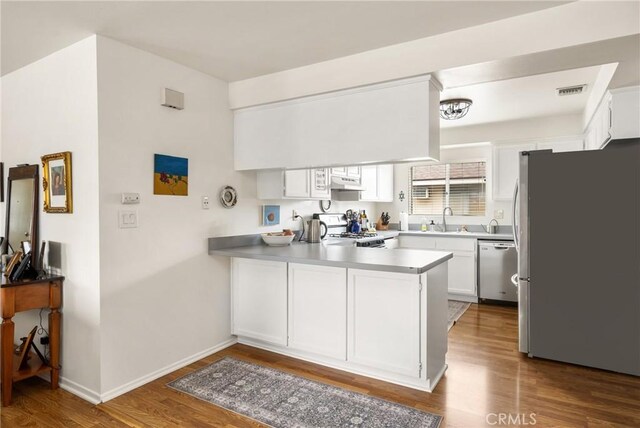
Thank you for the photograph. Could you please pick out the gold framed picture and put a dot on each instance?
(56, 183)
(15, 259)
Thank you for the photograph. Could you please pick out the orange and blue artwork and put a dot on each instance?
(171, 175)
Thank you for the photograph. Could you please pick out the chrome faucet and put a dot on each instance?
(444, 222)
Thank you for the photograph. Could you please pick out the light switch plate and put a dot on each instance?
(130, 198)
(127, 219)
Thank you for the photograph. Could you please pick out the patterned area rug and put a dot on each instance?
(456, 309)
(283, 400)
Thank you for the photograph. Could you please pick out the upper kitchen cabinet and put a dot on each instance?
(598, 132)
(625, 113)
(568, 145)
(385, 122)
(378, 182)
(615, 118)
(505, 169)
(506, 165)
(295, 184)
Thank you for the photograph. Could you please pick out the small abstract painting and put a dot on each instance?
(170, 175)
(270, 215)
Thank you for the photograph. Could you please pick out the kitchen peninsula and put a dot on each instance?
(377, 312)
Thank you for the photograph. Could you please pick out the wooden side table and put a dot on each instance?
(22, 296)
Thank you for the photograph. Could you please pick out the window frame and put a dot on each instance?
(487, 166)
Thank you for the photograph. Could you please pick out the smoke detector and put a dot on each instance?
(571, 90)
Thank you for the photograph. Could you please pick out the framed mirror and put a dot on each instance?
(22, 209)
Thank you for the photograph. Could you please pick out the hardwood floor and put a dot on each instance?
(486, 376)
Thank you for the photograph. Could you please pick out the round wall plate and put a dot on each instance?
(228, 197)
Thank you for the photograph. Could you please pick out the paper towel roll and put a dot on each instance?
(404, 221)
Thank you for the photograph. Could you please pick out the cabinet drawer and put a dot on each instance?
(417, 242)
(456, 244)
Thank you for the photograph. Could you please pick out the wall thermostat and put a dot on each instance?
(130, 198)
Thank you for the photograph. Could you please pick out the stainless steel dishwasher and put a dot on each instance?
(497, 260)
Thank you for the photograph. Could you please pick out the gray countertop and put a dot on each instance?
(379, 259)
(476, 235)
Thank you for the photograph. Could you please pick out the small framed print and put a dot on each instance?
(56, 183)
(270, 215)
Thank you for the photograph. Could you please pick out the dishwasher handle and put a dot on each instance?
(498, 245)
(514, 279)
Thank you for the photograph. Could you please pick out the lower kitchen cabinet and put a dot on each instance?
(259, 296)
(317, 315)
(384, 321)
(462, 267)
(462, 273)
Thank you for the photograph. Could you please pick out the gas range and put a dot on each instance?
(351, 235)
(337, 233)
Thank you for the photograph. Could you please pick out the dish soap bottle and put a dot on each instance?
(424, 224)
(432, 226)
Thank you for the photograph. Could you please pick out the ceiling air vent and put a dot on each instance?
(571, 90)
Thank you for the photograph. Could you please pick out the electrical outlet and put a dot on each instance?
(294, 214)
(205, 202)
(44, 340)
(498, 214)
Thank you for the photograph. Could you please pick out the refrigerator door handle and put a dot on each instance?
(516, 241)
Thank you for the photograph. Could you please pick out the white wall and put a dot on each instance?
(514, 130)
(163, 299)
(51, 106)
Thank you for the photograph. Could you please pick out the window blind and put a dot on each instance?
(461, 186)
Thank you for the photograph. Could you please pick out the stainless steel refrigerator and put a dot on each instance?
(576, 226)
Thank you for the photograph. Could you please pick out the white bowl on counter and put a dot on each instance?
(277, 240)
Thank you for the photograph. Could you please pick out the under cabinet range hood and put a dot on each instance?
(346, 183)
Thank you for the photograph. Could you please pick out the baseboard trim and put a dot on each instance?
(420, 384)
(110, 395)
(433, 382)
(79, 390)
(463, 298)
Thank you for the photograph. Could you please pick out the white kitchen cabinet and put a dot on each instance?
(297, 184)
(462, 273)
(462, 267)
(259, 300)
(570, 145)
(420, 242)
(378, 182)
(340, 171)
(615, 118)
(353, 171)
(346, 127)
(294, 184)
(384, 321)
(598, 131)
(317, 310)
(505, 169)
(320, 183)
(625, 111)
(390, 326)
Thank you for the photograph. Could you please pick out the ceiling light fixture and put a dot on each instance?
(455, 108)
